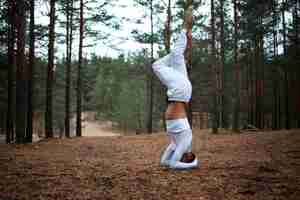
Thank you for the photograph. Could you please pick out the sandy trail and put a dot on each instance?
(97, 129)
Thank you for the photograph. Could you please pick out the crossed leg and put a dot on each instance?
(180, 143)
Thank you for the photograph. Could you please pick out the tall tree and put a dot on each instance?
(167, 30)
(188, 21)
(21, 89)
(276, 90)
(29, 130)
(79, 86)
(295, 53)
(213, 66)
(11, 63)
(286, 78)
(236, 98)
(221, 67)
(69, 39)
(167, 41)
(151, 85)
(50, 73)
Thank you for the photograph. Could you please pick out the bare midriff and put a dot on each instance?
(176, 110)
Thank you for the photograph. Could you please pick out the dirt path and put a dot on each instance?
(260, 166)
(98, 129)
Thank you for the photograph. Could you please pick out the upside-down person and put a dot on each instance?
(171, 71)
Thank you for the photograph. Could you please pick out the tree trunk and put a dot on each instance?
(69, 39)
(296, 25)
(279, 102)
(287, 111)
(167, 31)
(252, 85)
(221, 70)
(167, 40)
(275, 81)
(21, 83)
(29, 131)
(67, 94)
(11, 66)
(189, 54)
(50, 73)
(213, 44)
(150, 114)
(257, 82)
(283, 9)
(296, 56)
(262, 80)
(248, 88)
(79, 87)
(236, 112)
(287, 123)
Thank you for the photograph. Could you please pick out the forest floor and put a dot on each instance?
(260, 165)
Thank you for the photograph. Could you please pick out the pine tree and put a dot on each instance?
(286, 76)
(69, 39)
(221, 67)
(31, 64)
(21, 83)
(188, 21)
(50, 74)
(151, 85)
(276, 93)
(213, 66)
(167, 42)
(11, 63)
(79, 86)
(236, 112)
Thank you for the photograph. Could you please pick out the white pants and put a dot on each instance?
(181, 142)
(171, 71)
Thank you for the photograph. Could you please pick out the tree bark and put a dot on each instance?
(287, 115)
(11, 67)
(21, 83)
(287, 111)
(29, 130)
(236, 97)
(189, 52)
(213, 56)
(79, 85)
(283, 9)
(69, 39)
(262, 80)
(167, 40)
(221, 70)
(275, 81)
(167, 31)
(252, 86)
(298, 54)
(150, 114)
(50, 73)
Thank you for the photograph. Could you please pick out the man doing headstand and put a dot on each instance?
(171, 71)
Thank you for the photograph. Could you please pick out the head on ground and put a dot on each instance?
(188, 157)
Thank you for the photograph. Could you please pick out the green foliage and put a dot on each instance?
(120, 93)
